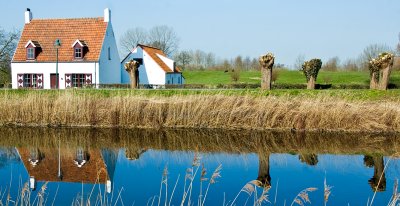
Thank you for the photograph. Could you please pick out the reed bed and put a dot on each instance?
(320, 112)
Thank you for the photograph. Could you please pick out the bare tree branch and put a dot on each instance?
(131, 38)
(164, 38)
(161, 37)
(8, 43)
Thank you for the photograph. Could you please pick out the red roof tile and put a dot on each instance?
(45, 31)
(47, 169)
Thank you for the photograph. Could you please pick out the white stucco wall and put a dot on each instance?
(50, 68)
(155, 74)
(169, 62)
(109, 69)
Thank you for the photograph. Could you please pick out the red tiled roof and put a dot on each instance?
(152, 51)
(47, 169)
(46, 31)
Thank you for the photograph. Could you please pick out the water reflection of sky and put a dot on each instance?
(138, 181)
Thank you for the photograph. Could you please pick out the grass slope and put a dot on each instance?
(285, 76)
(345, 94)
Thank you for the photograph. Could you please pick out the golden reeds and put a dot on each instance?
(200, 111)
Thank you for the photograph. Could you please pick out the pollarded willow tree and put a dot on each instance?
(132, 68)
(380, 69)
(310, 70)
(266, 62)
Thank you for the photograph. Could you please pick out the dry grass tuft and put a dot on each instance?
(327, 192)
(302, 198)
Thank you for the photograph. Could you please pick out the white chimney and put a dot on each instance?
(32, 183)
(107, 15)
(28, 16)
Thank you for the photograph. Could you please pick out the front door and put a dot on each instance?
(53, 81)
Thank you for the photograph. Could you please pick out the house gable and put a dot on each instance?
(109, 59)
(155, 69)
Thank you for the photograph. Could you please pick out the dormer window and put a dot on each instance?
(30, 53)
(78, 53)
(32, 49)
(80, 48)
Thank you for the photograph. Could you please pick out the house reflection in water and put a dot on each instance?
(35, 156)
(79, 164)
(378, 181)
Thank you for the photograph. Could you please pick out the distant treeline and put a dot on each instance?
(201, 60)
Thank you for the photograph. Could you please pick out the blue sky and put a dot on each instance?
(314, 28)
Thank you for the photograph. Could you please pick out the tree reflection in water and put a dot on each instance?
(378, 180)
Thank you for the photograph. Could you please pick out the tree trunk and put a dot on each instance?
(374, 81)
(266, 78)
(132, 74)
(385, 78)
(311, 83)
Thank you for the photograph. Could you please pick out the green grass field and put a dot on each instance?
(347, 94)
(284, 76)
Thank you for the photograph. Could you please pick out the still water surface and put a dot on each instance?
(129, 167)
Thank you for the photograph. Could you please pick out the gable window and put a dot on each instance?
(109, 53)
(30, 53)
(78, 53)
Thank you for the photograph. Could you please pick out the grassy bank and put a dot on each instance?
(284, 77)
(343, 110)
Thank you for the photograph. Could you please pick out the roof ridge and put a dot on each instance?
(149, 46)
(77, 18)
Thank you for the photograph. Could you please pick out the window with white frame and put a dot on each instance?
(78, 53)
(78, 80)
(30, 53)
(33, 80)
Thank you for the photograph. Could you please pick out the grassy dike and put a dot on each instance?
(335, 110)
(210, 77)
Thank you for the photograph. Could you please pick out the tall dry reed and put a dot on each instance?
(200, 111)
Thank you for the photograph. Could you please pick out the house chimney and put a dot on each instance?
(107, 15)
(28, 16)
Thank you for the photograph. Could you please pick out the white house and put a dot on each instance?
(155, 67)
(88, 53)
